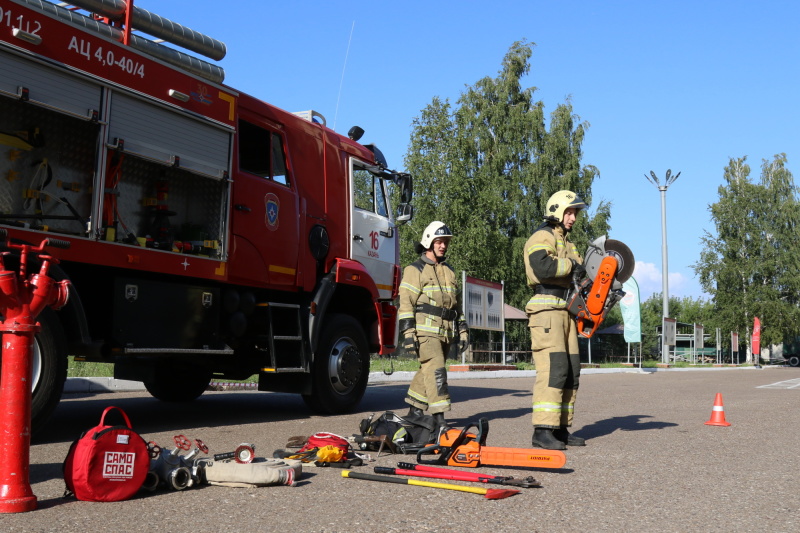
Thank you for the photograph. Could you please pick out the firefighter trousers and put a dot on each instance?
(554, 341)
(428, 389)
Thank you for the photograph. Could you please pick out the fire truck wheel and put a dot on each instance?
(177, 383)
(794, 360)
(341, 368)
(49, 369)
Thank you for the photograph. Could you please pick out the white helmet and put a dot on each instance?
(561, 201)
(435, 230)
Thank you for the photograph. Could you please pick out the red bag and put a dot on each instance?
(322, 439)
(107, 463)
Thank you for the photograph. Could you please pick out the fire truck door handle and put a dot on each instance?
(358, 238)
(242, 207)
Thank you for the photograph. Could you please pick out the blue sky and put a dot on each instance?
(681, 85)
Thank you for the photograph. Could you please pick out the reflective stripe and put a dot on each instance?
(563, 267)
(546, 300)
(441, 332)
(547, 407)
(539, 246)
(553, 407)
(432, 289)
(401, 316)
(441, 403)
(407, 286)
(418, 397)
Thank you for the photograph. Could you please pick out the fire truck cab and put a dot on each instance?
(211, 235)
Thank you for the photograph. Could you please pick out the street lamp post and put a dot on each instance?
(668, 180)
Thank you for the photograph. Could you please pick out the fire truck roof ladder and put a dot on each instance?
(157, 26)
(160, 27)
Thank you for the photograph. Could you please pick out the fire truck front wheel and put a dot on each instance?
(49, 369)
(173, 382)
(341, 367)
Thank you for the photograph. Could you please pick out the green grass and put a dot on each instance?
(78, 369)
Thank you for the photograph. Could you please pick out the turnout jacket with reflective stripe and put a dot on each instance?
(428, 282)
(547, 254)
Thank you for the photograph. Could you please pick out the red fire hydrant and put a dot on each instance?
(21, 301)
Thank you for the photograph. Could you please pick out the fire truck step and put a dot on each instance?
(288, 349)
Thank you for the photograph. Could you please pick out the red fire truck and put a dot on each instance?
(212, 235)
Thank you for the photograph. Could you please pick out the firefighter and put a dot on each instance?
(429, 321)
(551, 260)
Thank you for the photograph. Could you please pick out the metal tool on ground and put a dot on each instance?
(171, 469)
(489, 494)
(364, 442)
(609, 264)
(410, 469)
(243, 454)
(469, 449)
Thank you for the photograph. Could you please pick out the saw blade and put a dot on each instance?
(625, 261)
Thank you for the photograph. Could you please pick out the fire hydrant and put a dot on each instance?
(21, 301)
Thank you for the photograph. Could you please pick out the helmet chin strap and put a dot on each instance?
(433, 253)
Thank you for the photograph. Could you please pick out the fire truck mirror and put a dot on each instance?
(405, 183)
(405, 212)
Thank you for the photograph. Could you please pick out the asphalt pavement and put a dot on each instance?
(650, 464)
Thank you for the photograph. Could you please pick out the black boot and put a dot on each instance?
(568, 438)
(415, 411)
(441, 423)
(544, 438)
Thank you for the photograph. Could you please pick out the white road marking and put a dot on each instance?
(790, 384)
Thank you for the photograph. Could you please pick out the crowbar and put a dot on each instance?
(489, 494)
(410, 469)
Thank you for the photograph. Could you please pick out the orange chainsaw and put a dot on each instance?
(463, 448)
(608, 265)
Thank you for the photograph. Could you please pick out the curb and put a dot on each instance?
(102, 385)
(98, 385)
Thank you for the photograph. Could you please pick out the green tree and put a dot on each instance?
(486, 167)
(750, 265)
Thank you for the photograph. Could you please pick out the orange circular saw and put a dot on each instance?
(609, 264)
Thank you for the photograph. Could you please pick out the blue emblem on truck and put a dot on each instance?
(273, 207)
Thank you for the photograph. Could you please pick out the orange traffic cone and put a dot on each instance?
(718, 413)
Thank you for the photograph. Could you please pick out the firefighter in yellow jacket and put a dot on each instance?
(430, 320)
(551, 260)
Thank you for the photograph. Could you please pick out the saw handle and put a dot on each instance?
(441, 453)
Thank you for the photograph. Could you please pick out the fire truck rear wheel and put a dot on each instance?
(341, 369)
(49, 369)
(178, 382)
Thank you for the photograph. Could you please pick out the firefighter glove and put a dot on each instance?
(410, 342)
(578, 270)
(463, 341)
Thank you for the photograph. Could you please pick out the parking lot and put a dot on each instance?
(650, 464)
